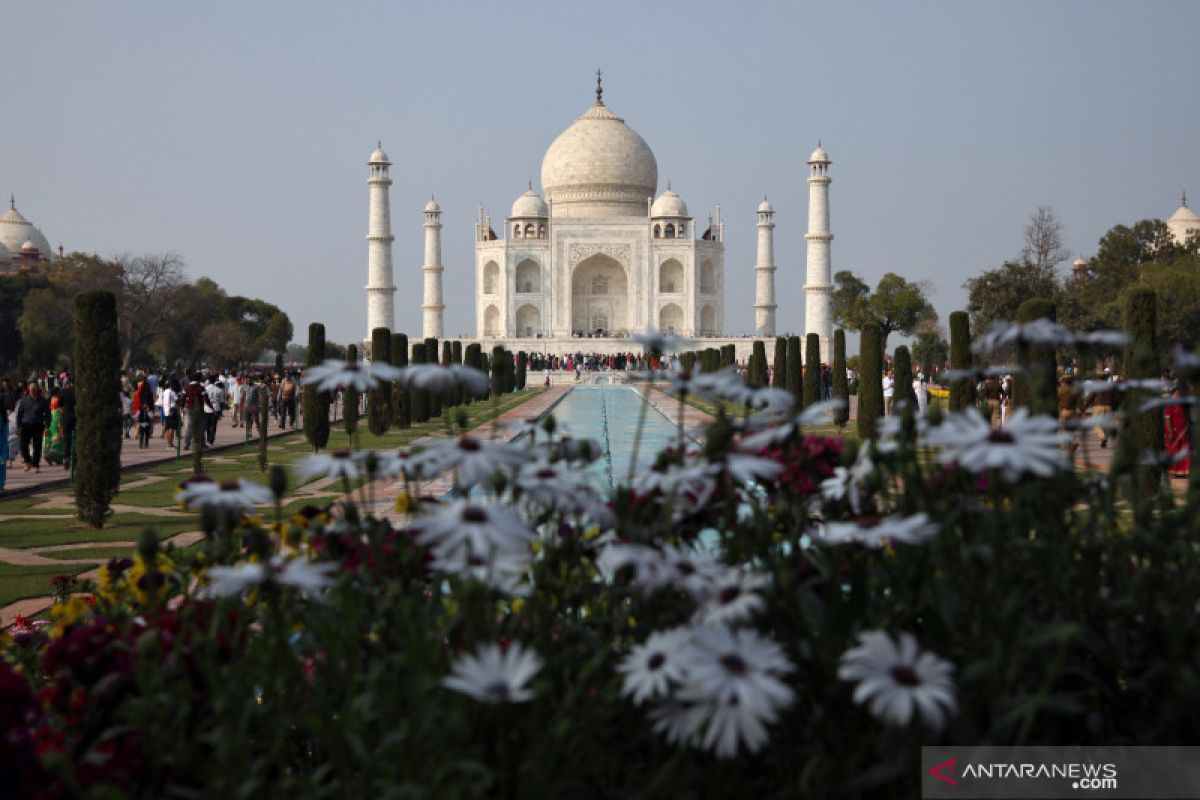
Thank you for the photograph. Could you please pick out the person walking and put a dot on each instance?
(287, 402)
(1068, 410)
(1176, 435)
(5, 409)
(33, 414)
(214, 408)
(1098, 403)
(192, 398)
(52, 444)
(169, 403)
(66, 402)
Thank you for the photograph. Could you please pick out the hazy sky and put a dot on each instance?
(236, 134)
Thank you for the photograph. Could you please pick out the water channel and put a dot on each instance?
(609, 415)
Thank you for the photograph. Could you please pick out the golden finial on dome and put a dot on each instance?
(599, 89)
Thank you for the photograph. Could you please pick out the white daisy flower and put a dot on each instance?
(442, 379)
(656, 342)
(771, 402)
(335, 464)
(333, 373)
(482, 529)
(652, 668)
(747, 468)
(1040, 333)
(555, 484)
(875, 531)
(493, 675)
(649, 569)
(308, 578)
(1186, 362)
(504, 570)
(849, 484)
(474, 460)
(736, 672)
(201, 491)
(691, 570)
(398, 464)
(1026, 444)
(733, 596)
(1101, 338)
(1159, 403)
(896, 680)
(578, 449)
(816, 414)
(724, 384)
(680, 723)
(973, 374)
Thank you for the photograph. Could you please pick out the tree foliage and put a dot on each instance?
(795, 369)
(316, 404)
(870, 381)
(812, 369)
(841, 391)
(98, 408)
(401, 396)
(962, 393)
(779, 363)
(379, 397)
(350, 398)
(896, 306)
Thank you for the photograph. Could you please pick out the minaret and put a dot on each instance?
(381, 308)
(433, 305)
(764, 272)
(819, 288)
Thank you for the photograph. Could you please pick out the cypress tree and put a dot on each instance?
(779, 363)
(1035, 388)
(522, 368)
(350, 396)
(758, 363)
(497, 370)
(379, 397)
(841, 390)
(688, 361)
(401, 397)
(97, 410)
(316, 404)
(961, 392)
(795, 370)
(420, 397)
(1141, 431)
(903, 374)
(279, 363)
(812, 372)
(456, 357)
(447, 359)
(471, 358)
(432, 357)
(870, 381)
(728, 355)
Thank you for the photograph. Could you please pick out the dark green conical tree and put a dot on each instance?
(779, 363)
(419, 398)
(728, 355)
(758, 363)
(1141, 431)
(795, 370)
(688, 361)
(401, 397)
(962, 393)
(447, 359)
(350, 396)
(97, 412)
(841, 390)
(709, 360)
(279, 363)
(1035, 388)
(316, 404)
(902, 373)
(497, 370)
(472, 357)
(812, 372)
(379, 397)
(522, 368)
(432, 357)
(870, 381)
(456, 357)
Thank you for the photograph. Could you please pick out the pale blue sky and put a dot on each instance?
(236, 134)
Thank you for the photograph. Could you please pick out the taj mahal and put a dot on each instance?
(600, 254)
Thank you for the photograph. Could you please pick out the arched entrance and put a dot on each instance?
(599, 296)
(708, 321)
(529, 320)
(491, 322)
(670, 319)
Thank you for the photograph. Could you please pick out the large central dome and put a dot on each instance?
(599, 167)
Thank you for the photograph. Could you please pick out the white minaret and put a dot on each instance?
(819, 288)
(764, 272)
(433, 305)
(381, 308)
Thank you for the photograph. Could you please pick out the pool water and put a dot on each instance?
(609, 415)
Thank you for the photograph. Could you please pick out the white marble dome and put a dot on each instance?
(765, 207)
(819, 156)
(15, 231)
(669, 204)
(530, 204)
(432, 207)
(1183, 223)
(378, 156)
(5, 256)
(599, 167)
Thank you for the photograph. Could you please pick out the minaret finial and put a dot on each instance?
(12, 202)
(531, 185)
(1185, 199)
(379, 143)
(599, 88)
(668, 184)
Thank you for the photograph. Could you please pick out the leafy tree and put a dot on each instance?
(870, 381)
(148, 284)
(1035, 387)
(98, 412)
(379, 397)
(226, 343)
(812, 371)
(840, 390)
(931, 350)
(996, 294)
(1175, 280)
(316, 404)
(896, 305)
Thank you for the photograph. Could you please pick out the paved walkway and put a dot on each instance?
(131, 456)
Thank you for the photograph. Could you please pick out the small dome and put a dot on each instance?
(668, 204)
(1078, 264)
(819, 156)
(765, 208)
(378, 156)
(29, 248)
(432, 207)
(530, 204)
(15, 231)
(1183, 223)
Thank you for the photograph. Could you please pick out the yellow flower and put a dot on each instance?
(67, 614)
(591, 532)
(632, 622)
(135, 574)
(518, 605)
(404, 503)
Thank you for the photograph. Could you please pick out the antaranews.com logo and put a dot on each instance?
(1053, 772)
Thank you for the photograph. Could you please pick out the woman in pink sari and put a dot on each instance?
(1175, 430)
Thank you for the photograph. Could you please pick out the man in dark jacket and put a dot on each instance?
(66, 402)
(33, 413)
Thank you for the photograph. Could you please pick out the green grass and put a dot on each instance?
(99, 554)
(25, 533)
(19, 583)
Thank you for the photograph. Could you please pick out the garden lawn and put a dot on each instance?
(18, 582)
